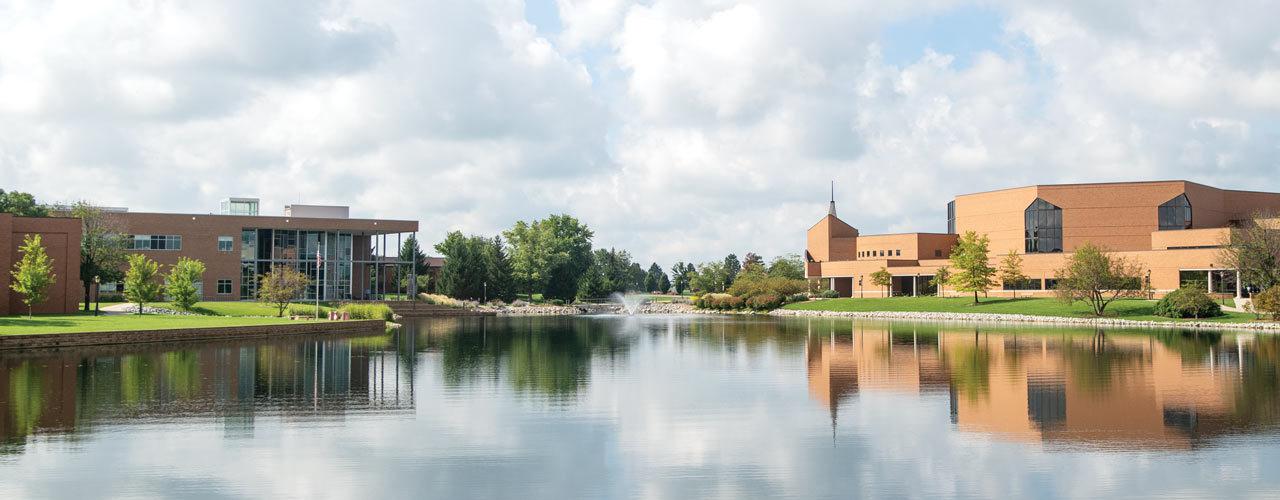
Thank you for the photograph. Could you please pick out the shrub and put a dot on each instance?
(750, 285)
(368, 311)
(732, 303)
(719, 301)
(1268, 302)
(1188, 302)
(439, 300)
(798, 297)
(829, 294)
(303, 310)
(557, 302)
(764, 302)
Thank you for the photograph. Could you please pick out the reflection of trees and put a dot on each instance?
(1258, 397)
(26, 398)
(552, 356)
(1095, 367)
(970, 369)
(1192, 345)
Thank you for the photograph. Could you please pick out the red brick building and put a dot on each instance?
(61, 239)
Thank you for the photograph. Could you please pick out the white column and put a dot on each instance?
(1239, 286)
(1210, 275)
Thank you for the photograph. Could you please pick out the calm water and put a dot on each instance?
(652, 408)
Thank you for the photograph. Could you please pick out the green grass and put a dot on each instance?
(1141, 310)
(71, 323)
(239, 309)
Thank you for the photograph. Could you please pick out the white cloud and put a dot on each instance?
(677, 129)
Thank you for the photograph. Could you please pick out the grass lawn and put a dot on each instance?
(240, 308)
(70, 323)
(1141, 310)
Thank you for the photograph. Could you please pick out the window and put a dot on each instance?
(248, 244)
(1043, 227)
(1175, 214)
(224, 287)
(225, 243)
(951, 217)
(1050, 283)
(155, 242)
(897, 253)
(937, 253)
(1027, 284)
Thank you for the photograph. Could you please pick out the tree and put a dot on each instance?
(410, 251)
(681, 276)
(1254, 249)
(653, 279)
(33, 274)
(710, 277)
(21, 204)
(281, 285)
(731, 269)
(752, 259)
(550, 255)
(883, 278)
(497, 270)
(1094, 276)
(787, 266)
(180, 284)
(974, 272)
(664, 284)
(940, 278)
(103, 248)
(140, 284)
(1011, 272)
(475, 268)
(635, 278)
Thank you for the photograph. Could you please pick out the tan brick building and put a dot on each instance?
(1174, 229)
(238, 245)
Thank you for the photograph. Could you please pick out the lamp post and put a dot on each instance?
(97, 292)
(486, 292)
(1151, 294)
(860, 286)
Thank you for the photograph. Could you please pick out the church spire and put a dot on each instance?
(831, 210)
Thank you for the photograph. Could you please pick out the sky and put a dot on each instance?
(676, 129)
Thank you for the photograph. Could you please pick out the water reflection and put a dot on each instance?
(1066, 387)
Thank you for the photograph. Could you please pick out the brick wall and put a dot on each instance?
(57, 340)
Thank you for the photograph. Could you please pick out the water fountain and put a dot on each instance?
(630, 303)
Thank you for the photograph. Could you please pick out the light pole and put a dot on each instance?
(486, 292)
(97, 292)
(860, 296)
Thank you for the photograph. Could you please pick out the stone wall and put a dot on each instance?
(56, 340)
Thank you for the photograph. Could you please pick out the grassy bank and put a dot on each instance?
(74, 323)
(1140, 310)
(239, 309)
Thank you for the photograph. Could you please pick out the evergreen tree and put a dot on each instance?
(731, 268)
(664, 284)
(33, 273)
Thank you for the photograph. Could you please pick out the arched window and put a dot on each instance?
(1043, 227)
(1175, 214)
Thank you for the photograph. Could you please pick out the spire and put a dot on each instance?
(831, 210)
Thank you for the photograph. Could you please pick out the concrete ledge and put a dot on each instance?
(998, 318)
(57, 340)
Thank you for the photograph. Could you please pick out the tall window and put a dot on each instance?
(951, 217)
(1043, 227)
(1175, 214)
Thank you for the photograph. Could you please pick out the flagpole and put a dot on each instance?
(318, 280)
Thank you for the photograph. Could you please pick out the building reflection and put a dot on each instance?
(74, 391)
(1173, 390)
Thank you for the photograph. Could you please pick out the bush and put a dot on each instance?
(829, 294)
(764, 302)
(1188, 302)
(439, 300)
(368, 311)
(557, 302)
(798, 297)
(1268, 302)
(750, 285)
(719, 301)
(303, 310)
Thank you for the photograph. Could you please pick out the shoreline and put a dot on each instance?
(82, 339)
(1261, 326)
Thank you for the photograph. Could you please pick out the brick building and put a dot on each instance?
(61, 239)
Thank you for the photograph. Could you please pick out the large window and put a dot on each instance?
(1175, 214)
(224, 287)
(1043, 223)
(951, 217)
(225, 243)
(155, 242)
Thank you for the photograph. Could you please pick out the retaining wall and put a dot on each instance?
(56, 340)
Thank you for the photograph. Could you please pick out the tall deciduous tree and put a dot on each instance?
(1011, 272)
(550, 255)
(103, 248)
(140, 284)
(710, 277)
(33, 273)
(973, 269)
(940, 278)
(787, 266)
(21, 204)
(281, 286)
(181, 282)
(1098, 278)
(1254, 249)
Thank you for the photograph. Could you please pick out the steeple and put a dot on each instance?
(831, 210)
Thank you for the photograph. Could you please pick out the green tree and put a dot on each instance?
(475, 268)
(682, 276)
(710, 277)
(181, 282)
(551, 255)
(653, 278)
(752, 259)
(411, 252)
(884, 279)
(140, 285)
(497, 270)
(1097, 278)
(635, 278)
(787, 266)
(21, 204)
(664, 283)
(731, 269)
(973, 269)
(280, 286)
(940, 278)
(1011, 272)
(103, 248)
(1254, 249)
(33, 273)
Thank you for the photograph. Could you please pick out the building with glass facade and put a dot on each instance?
(1174, 229)
(345, 258)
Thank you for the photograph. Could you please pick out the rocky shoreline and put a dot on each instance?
(1029, 319)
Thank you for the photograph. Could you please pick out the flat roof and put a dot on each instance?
(398, 225)
(1115, 183)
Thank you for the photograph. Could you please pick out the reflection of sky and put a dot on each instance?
(678, 418)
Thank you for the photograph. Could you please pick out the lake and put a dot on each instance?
(651, 407)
